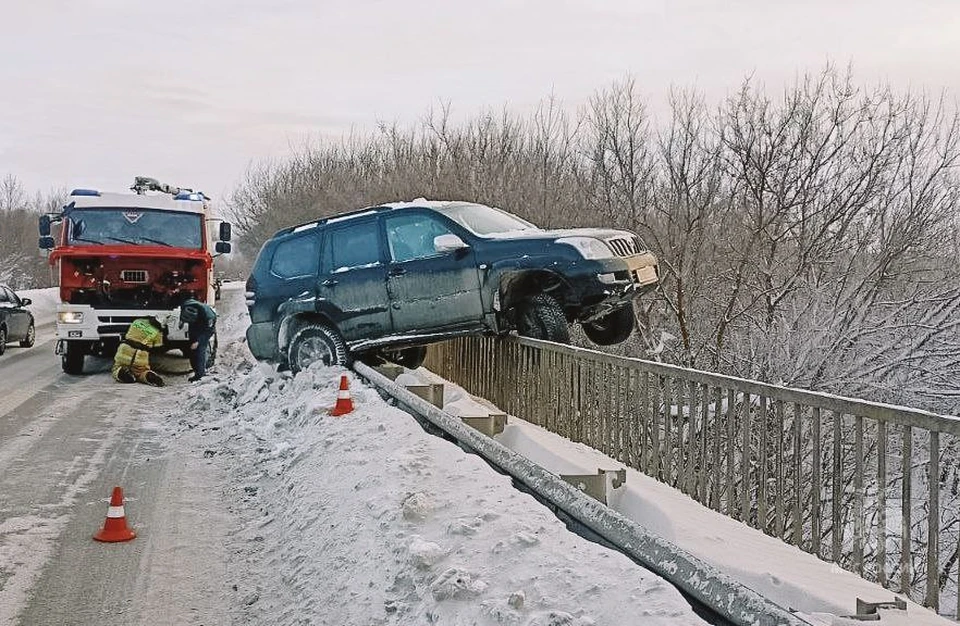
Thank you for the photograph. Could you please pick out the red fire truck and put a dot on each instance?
(122, 256)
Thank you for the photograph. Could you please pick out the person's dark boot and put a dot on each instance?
(154, 379)
(125, 376)
(194, 378)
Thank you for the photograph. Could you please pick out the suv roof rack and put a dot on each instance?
(379, 208)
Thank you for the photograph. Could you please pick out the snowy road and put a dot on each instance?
(64, 443)
(253, 506)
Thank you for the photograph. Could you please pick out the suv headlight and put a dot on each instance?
(70, 317)
(588, 247)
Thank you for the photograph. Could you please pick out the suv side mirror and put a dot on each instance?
(222, 247)
(448, 243)
(43, 225)
(225, 232)
(46, 243)
(25, 301)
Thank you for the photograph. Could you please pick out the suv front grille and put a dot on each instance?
(625, 246)
(134, 276)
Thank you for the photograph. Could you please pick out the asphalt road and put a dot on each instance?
(65, 442)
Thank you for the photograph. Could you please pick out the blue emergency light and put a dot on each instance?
(84, 192)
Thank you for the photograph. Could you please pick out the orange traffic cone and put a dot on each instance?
(344, 404)
(115, 528)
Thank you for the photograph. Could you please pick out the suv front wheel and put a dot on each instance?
(614, 327)
(317, 342)
(541, 317)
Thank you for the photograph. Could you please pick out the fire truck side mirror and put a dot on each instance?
(46, 243)
(225, 231)
(222, 247)
(44, 226)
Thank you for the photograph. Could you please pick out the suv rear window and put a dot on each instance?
(357, 245)
(296, 257)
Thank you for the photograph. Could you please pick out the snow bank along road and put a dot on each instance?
(253, 506)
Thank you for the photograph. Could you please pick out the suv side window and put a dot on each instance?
(411, 236)
(356, 245)
(296, 257)
(4, 297)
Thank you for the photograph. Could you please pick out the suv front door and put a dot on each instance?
(429, 290)
(352, 282)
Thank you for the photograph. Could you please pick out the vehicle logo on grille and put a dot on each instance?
(132, 216)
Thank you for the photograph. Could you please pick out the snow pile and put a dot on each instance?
(43, 304)
(367, 519)
(778, 571)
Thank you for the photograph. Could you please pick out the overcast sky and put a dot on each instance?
(95, 92)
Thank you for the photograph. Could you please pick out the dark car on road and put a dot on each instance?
(16, 321)
(389, 280)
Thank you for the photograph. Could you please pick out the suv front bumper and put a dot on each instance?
(601, 286)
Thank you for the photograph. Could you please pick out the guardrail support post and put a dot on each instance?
(432, 393)
(489, 425)
(595, 485)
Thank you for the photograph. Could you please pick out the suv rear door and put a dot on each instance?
(429, 291)
(352, 282)
(289, 271)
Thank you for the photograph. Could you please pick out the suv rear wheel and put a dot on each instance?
(317, 343)
(541, 317)
(612, 328)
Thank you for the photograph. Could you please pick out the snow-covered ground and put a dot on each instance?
(367, 519)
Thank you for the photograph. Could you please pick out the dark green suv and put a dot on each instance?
(388, 280)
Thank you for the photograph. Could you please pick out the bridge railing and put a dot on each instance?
(850, 481)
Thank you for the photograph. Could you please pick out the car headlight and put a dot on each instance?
(70, 317)
(588, 247)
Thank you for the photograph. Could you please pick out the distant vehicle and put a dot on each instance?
(16, 321)
(122, 256)
(388, 280)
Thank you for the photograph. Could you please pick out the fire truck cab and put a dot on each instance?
(122, 256)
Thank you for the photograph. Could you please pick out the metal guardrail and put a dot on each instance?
(705, 584)
(850, 481)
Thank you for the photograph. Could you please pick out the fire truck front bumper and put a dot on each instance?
(77, 322)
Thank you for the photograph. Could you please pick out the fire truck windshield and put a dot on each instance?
(139, 227)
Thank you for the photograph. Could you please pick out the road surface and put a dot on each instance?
(65, 442)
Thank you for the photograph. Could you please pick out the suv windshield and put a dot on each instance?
(141, 227)
(483, 220)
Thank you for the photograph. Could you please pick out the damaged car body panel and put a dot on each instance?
(404, 275)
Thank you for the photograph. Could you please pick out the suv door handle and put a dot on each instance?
(397, 271)
(330, 282)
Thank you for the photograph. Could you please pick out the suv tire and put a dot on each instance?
(410, 358)
(72, 359)
(541, 317)
(317, 342)
(3, 340)
(614, 327)
(30, 338)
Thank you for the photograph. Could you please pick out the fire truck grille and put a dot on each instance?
(134, 276)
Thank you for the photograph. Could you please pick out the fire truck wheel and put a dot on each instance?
(212, 350)
(72, 359)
